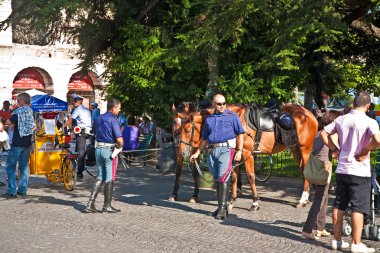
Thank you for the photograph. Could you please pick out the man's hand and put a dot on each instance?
(362, 156)
(195, 155)
(335, 153)
(238, 155)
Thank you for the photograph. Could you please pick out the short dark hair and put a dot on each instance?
(112, 102)
(327, 118)
(362, 99)
(131, 120)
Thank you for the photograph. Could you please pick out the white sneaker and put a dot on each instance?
(361, 248)
(339, 245)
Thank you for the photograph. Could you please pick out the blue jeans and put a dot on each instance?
(20, 155)
(219, 161)
(104, 162)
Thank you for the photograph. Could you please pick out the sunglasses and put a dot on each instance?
(220, 104)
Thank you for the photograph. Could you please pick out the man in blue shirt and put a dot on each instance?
(95, 111)
(82, 116)
(222, 133)
(108, 135)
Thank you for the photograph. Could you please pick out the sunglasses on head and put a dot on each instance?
(220, 104)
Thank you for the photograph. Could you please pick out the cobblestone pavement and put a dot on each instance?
(50, 219)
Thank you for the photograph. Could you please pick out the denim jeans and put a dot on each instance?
(20, 155)
(104, 162)
(219, 162)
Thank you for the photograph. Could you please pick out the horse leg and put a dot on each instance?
(249, 169)
(304, 200)
(234, 195)
(174, 196)
(239, 182)
(195, 173)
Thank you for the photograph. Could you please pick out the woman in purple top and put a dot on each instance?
(131, 134)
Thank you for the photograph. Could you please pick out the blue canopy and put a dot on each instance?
(47, 103)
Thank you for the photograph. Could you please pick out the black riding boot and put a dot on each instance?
(222, 201)
(90, 208)
(217, 196)
(108, 192)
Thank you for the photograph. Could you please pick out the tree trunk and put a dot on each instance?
(212, 62)
(308, 99)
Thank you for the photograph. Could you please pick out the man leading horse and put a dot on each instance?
(221, 133)
(266, 142)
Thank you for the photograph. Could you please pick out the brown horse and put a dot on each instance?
(184, 108)
(305, 128)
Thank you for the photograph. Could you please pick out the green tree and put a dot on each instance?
(160, 52)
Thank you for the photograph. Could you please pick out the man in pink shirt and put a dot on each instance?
(357, 134)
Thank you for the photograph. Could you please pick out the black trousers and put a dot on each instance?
(81, 149)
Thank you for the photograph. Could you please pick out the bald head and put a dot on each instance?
(219, 103)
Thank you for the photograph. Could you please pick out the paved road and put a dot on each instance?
(50, 219)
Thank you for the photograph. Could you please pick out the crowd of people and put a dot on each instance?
(348, 137)
(18, 125)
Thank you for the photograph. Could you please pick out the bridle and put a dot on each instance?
(193, 129)
(191, 143)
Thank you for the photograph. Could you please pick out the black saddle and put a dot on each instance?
(262, 118)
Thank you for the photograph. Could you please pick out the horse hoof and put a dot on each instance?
(230, 207)
(254, 208)
(300, 205)
(173, 198)
(193, 200)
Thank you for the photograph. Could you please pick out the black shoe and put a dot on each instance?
(9, 196)
(2, 184)
(79, 176)
(21, 193)
(213, 214)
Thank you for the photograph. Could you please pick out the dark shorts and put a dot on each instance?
(354, 190)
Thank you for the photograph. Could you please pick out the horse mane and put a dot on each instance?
(186, 107)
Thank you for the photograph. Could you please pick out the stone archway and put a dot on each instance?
(32, 78)
(81, 85)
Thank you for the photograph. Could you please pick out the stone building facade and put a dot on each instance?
(49, 69)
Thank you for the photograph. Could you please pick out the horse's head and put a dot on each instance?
(190, 134)
(179, 112)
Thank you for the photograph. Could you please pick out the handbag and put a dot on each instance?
(318, 172)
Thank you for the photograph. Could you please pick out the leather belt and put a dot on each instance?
(220, 144)
(103, 144)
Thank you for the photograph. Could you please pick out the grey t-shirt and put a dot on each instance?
(320, 150)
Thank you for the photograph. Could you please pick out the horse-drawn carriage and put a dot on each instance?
(50, 154)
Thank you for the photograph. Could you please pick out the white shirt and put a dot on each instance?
(83, 116)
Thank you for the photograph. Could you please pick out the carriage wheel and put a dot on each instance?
(263, 167)
(346, 228)
(69, 170)
(367, 231)
(376, 233)
(92, 170)
(90, 164)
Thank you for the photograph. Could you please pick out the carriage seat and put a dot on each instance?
(64, 145)
(262, 117)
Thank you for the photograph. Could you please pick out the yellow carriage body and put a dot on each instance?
(45, 158)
